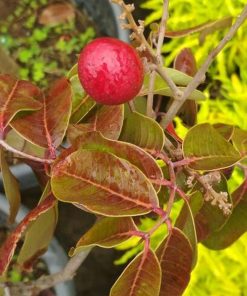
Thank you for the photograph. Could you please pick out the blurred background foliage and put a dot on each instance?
(227, 77)
(217, 273)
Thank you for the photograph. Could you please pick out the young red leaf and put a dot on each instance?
(186, 63)
(106, 233)
(134, 154)
(103, 183)
(38, 234)
(108, 120)
(175, 256)
(209, 150)
(141, 277)
(8, 248)
(11, 188)
(236, 224)
(50, 123)
(15, 96)
(143, 131)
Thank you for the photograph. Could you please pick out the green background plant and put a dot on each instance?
(43, 49)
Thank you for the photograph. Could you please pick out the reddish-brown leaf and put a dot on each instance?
(175, 256)
(108, 120)
(48, 125)
(8, 248)
(107, 233)
(57, 13)
(11, 188)
(140, 278)
(103, 184)
(130, 152)
(15, 96)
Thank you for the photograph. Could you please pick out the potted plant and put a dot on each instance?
(102, 142)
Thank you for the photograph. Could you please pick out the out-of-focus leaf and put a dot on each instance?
(143, 131)
(38, 234)
(103, 183)
(208, 149)
(11, 188)
(47, 127)
(57, 13)
(185, 221)
(15, 96)
(204, 29)
(140, 104)
(81, 102)
(186, 63)
(235, 226)
(134, 154)
(211, 218)
(8, 248)
(175, 256)
(108, 120)
(106, 233)
(141, 277)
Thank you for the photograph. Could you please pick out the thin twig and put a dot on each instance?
(159, 61)
(46, 282)
(199, 77)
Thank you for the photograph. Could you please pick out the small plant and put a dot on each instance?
(124, 162)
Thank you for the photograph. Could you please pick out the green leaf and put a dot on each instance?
(16, 141)
(108, 120)
(141, 277)
(185, 221)
(15, 96)
(178, 77)
(208, 149)
(161, 88)
(81, 102)
(39, 234)
(11, 188)
(49, 124)
(143, 131)
(211, 218)
(175, 256)
(103, 183)
(106, 233)
(135, 155)
(235, 226)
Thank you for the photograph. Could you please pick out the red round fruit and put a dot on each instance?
(110, 71)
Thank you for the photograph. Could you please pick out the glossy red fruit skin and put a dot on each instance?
(110, 71)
